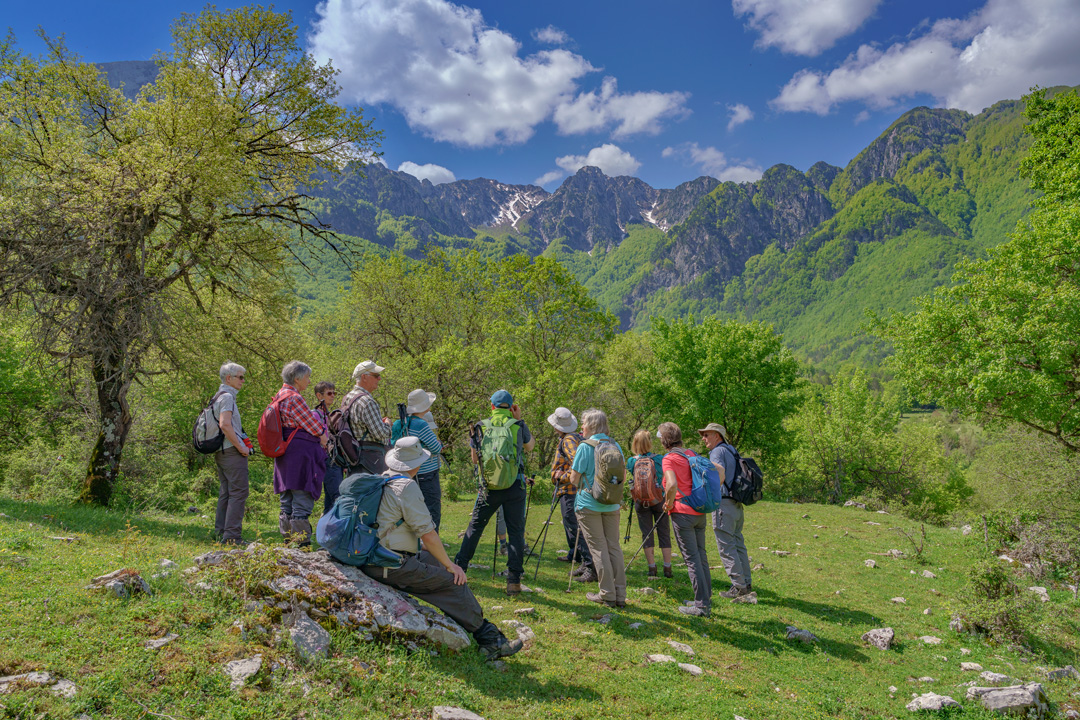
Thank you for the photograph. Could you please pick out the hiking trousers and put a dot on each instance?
(232, 470)
(432, 492)
(331, 485)
(601, 532)
(513, 500)
(570, 525)
(423, 577)
(690, 534)
(649, 516)
(727, 521)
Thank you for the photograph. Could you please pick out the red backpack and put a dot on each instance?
(272, 442)
(646, 490)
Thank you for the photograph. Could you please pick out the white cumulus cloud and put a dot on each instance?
(437, 174)
(631, 113)
(998, 52)
(548, 177)
(803, 27)
(715, 163)
(737, 115)
(550, 35)
(459, 80)
(612, 159)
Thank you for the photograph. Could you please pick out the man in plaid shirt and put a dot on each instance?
(565, 425)
(370, 427)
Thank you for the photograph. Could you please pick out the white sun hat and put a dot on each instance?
(430, 420)
(407, 454)
(419, 401)
(563, 420)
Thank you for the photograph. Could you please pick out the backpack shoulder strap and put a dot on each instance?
(213, 402)
(591, 443)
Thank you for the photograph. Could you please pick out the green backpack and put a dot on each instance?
(500, 452)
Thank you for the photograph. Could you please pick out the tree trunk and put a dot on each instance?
(114, 424)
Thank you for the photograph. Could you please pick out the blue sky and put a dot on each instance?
(667, 91)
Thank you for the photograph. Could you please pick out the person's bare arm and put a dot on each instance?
(433, 544)
(671, 486)
(516, 412)
(575, 478)
(225, 423)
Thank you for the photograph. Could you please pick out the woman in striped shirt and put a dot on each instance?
(428, 477)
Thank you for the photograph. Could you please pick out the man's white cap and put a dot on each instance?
(367, 367)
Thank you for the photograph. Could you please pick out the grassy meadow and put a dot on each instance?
(576, 667)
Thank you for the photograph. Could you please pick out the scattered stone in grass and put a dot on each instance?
(496, 607)
(1024, 700)
(934, 592)
(120, 583)
(1062, 673)
(815, 536)
(1007, 559)
(971, 667)
(880, 638)
(657, 658)
(167, 564)
(309, 638)
(966, 530)
(899, 601)
(892, 690)
(794, 633)
(927, 679)
(749, 598)
(1041, 592)
(478, 566)
(448, 712)
(926, 611)
(781, 553)
(871, 522)
(965, 651)
(648, 591)
(681, 647)
(252, 606)
(930, 639)
(634, 626)
(692, 669)
(870, 563)
(603, 619)
(240, 670)
(499, 665)
(931, 701)
(524, 632)
(763, 548)
(30, 678)
(806, 516)
(995, 678)
(758, 566)
(895, 554)
(928, 574)
(160, 642)
(525, 611)
(526, 589)
(211, 558)
(852, 503)
(882, 512)
(64, 689)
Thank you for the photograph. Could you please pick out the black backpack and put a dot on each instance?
(747, 482)
(206, 435)
(343, 449)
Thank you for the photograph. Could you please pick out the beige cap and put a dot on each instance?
(407, 454)
(716, 428)
(419, 401)
(367, 367)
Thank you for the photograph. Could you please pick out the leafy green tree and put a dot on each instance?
(116, 216)
(1002, 342)
(737, 374)
(627, 368)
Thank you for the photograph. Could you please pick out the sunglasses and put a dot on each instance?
(331, 393)
(375, 375)
(239, 377)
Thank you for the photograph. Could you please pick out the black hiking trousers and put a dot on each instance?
(512, 500)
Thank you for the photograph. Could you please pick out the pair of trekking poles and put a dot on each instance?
(542, 537)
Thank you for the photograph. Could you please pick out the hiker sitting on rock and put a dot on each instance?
(404, 525)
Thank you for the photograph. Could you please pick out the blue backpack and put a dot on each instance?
(349, 531)
(707, 487)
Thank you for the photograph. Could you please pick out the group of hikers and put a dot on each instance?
(382, 498)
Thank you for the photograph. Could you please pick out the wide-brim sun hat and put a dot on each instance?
(429, 419)
(367, 367)
(419, 401)
(407, 454)
(716, 428)
(562, 420)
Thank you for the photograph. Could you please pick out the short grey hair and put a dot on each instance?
(294, 370)
(230, 369)
(595, 420)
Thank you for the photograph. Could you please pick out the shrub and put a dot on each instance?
(992, 603)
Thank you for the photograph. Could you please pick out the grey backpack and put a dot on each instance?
(609, 476)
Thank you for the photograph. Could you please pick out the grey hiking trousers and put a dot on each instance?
(727, 521)
(423, 577)
(232, 470)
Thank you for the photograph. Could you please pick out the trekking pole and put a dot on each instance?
(543, 533)
(570, 581)
(644, 541)
(629, 519)
(494, 554)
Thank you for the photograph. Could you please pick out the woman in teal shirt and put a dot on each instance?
(599, 523)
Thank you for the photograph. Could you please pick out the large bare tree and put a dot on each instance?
(118, 216)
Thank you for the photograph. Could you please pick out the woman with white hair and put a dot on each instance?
(298, 474)
(232, 458)
(598, 522)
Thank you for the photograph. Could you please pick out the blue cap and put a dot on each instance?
(502, 399)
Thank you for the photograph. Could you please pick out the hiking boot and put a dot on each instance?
(667, 571)
(733, 592)
(513, 589)
(301, 531)
(581, 570)
(284, 523)
(694, 610)
(587, 576)
(501, 648)
(652, 571)
(595, 597)
(620, 603)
